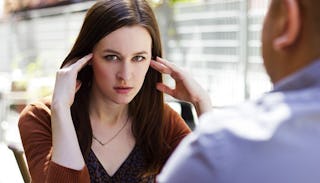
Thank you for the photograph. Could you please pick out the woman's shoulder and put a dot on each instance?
(175, 128)
(39, 105)
(171, 114)
(173, 120)
(37, 111)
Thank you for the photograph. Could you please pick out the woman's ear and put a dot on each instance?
(291, 26)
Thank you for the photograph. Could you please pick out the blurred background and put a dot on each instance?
(217, 41)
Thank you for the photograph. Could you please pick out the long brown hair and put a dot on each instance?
(147, 107)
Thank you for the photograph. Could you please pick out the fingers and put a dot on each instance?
(160, 67)
(166, 63)
(166, 67)
(165, 89)
(78, 65)
(78, 85)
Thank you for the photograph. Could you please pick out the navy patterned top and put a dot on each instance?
(129, 171)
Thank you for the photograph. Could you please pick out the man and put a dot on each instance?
(275, 139)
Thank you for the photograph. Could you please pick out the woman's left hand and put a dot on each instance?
(186, 87)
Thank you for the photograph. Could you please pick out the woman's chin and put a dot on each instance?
(123, 101)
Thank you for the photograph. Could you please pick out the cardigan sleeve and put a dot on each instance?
(36, 137)
(175, 128)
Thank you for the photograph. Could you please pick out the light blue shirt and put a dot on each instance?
(275, 139)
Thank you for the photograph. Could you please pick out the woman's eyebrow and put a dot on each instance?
(118, 53)
(141, 52)
(111, 51)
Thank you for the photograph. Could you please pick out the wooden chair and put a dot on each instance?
(20, 158)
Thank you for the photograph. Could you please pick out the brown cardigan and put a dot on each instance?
(36, 136)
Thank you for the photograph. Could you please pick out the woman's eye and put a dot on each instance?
(138, 58)
(111, 58)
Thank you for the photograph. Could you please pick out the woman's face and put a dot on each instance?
(120, 63)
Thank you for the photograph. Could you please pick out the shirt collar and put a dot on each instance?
(306, 77)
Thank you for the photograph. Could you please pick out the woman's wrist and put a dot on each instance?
(60, 115)
(59, 106)
(64, 138)
(202, 105)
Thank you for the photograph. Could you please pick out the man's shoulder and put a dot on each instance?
(255, 120)
(260, 119)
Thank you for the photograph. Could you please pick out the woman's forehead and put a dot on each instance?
(127, 39)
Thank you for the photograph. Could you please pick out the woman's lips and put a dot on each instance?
(123, 90)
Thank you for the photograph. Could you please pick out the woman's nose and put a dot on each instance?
(125, 71)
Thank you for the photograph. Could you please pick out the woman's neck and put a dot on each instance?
(106, 112)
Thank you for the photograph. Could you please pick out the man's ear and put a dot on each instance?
(291, 26)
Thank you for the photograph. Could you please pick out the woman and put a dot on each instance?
(107, 121)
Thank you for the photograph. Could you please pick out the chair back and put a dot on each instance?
(21, 161)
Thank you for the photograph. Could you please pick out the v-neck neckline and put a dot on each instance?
(120, 167)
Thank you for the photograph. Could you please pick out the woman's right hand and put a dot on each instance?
(65, 146)
(66, 84)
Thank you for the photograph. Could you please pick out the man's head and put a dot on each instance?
(290, 36)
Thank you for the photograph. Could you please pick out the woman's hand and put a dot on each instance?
(66, 84)
(186, 88)
(65, 146)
